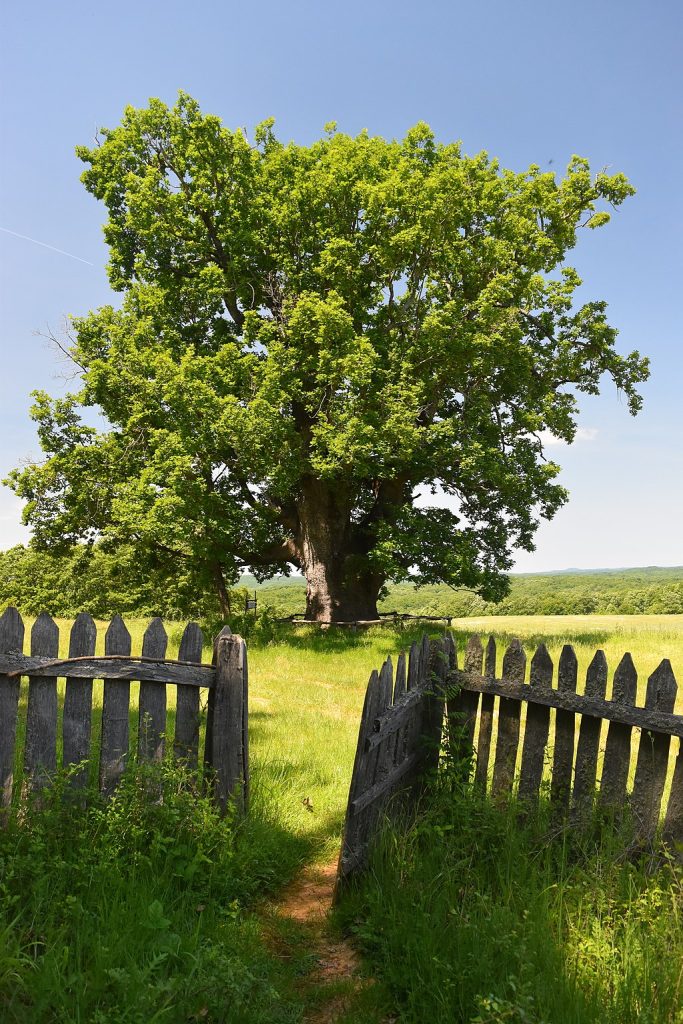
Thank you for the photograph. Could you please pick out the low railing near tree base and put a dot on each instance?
(400, 734)
(226, 680)
(384, 617)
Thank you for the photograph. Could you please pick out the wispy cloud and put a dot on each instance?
(582, 434)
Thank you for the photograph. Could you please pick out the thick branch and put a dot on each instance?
(286, 551)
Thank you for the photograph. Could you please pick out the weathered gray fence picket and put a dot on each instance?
(225, 745)
(482, 703)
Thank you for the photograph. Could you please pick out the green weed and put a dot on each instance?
(137, 911)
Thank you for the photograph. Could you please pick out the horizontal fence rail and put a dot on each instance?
(499, 752)
(385, 618)
(114, 666)
(226, 682)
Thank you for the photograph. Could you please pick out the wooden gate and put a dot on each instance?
(398, 743)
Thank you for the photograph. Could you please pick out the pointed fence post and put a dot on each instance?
(536, 729)
(514, 667)
(77, 720)
(400, 683)
(413, 666)
(40, 754)
(653, 752)
(418, 671)
(589, 735)
(462, 711)
(433, 705)
(399, 692)
(352, 853)
(152, 702)
(115, 704)
(186, 739)
(11, 640)
(565, 729)
(380, 759)
(225, 750)
(618, 744)
(481, 772)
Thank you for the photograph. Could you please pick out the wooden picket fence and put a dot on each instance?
(226, 680)
(401, 731)
(573, 767)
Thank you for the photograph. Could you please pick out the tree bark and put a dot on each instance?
(222, 592)
(339, 585)
(333, 594)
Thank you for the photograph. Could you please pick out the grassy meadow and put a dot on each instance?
(132, 914)
(648, 638)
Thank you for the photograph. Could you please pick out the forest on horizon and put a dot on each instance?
(103, 583)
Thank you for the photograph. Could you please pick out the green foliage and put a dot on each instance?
(94, 579)
(647, 591)
(101, 582)
(310, 335)
(476, 915)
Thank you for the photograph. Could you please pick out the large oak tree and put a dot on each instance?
(309, 337)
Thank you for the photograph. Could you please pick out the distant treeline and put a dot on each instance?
(101, 582)
(650, 591)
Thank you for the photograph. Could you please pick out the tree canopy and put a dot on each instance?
(308, 337)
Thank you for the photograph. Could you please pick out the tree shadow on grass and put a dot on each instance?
(393, 637)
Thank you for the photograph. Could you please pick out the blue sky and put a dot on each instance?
(531, 82)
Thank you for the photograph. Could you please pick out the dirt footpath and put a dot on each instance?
(333, 984)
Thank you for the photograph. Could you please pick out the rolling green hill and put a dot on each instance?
(650, 590)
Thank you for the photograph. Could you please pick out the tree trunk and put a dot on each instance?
(339, 585)
(222, 592)
(333, 596)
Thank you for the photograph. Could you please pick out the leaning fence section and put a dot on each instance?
(623, 765)
(398, 743)
(225, 680)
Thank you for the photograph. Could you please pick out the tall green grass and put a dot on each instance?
(473, 915)
(137, 910)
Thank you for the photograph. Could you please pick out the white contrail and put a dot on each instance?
(46, 246)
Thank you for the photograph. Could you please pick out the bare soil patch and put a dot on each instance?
(333, 982)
